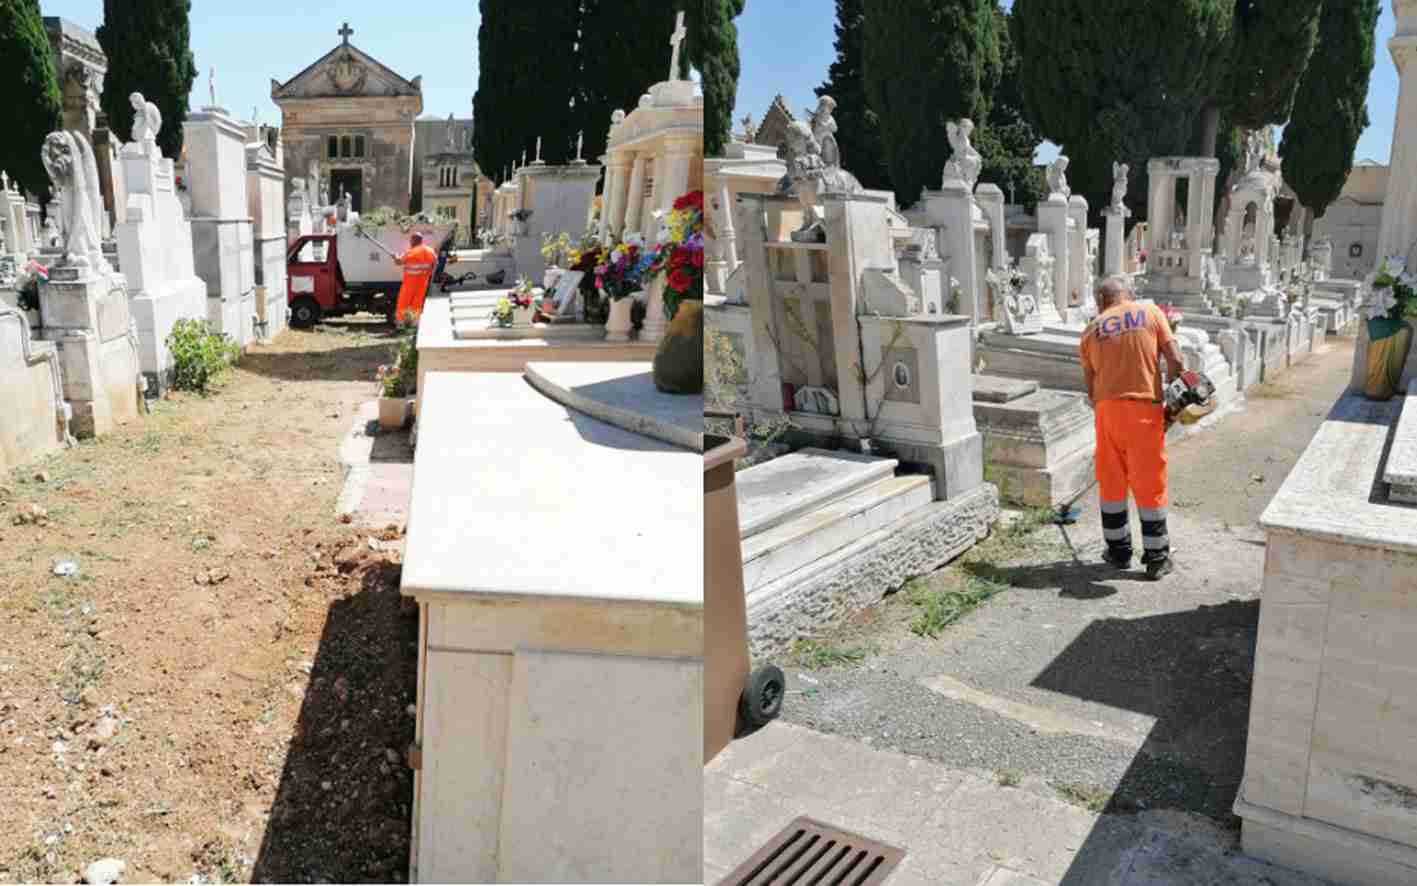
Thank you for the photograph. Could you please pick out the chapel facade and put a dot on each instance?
(348, 121)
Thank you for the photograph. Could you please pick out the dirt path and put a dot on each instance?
(220, 691)
(1069, 677)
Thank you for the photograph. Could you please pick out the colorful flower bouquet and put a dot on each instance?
(521, 297)
(681, 254)
(622, 269)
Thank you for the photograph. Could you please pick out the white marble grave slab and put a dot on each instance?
(775, 492)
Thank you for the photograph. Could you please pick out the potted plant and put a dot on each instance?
(397, 384)
(1393, 300)
(679, 361)
(619, 276)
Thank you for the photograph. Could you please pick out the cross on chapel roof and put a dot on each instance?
(344, 32)
(675, 39)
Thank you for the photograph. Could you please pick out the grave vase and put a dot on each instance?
(679, 360)
(1388, 344)
(393, 413)
(619, 325)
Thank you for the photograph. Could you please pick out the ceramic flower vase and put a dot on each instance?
(619, 325)
(1388, 344)
(679, 361)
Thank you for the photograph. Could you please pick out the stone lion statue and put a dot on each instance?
(69, 160)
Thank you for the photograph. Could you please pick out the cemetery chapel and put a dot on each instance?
(349, 120)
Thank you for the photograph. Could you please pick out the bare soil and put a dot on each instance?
(220, 692)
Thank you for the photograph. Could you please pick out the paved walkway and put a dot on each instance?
(960, 829)
(1081, 727)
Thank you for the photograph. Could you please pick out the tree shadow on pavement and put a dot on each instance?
(1192, 671)
(1076, 580)
(342, 810)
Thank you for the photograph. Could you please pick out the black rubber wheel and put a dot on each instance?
(304, 312)
(761, 701)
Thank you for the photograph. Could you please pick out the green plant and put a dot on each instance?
(200, 354)
(556, 249)
(36, 109)
(400, 378)
(942, 607)
(816, 654)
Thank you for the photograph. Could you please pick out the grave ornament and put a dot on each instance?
(965, 161)
(824, 130)
(809, 177)
(1058, 179)
(1119, 186)
(69, 160)
(147, 122)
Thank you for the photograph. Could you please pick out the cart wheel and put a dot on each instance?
(304, 313)
(761, 701)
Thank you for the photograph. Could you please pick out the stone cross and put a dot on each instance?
(523, 158)
(538, 149)
(211, 84)
(580, 143)
(4, 181)
(674, 40)
(344, 32)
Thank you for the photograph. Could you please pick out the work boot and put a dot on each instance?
(1118, 557)
(1158, 569)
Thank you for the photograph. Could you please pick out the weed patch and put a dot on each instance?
(942, 607)
(816, 654)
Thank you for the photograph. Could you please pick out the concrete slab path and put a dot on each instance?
(1082, 726)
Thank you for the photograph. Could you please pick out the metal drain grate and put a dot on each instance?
(809, 853)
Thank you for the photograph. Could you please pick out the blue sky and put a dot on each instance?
(793, 66)
(252, 41)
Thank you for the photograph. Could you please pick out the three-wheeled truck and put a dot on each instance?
(350, 271)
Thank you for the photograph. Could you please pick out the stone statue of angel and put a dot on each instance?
(1119, 184)
(824, 130)
(809, 177)
(1057, 175)
(1254, 151)
(69, 160)
(965, 162)
(147, 121)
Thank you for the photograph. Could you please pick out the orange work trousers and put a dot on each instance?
(1131, 457)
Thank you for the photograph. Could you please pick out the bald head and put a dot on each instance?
(1113, 291)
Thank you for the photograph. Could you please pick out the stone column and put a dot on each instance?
(1399, 224)
(612, 213)
(725, 239)
(991, 200)
(635, 199)
(1196, 213)
(1112, 260)
(1078, 271)
(1161, 209)
(1053, 222)
(957, 211)
(672, 181)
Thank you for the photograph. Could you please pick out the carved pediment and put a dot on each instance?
(346, 72)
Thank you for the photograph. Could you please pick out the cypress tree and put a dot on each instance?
(1119, 80)
(927, 62)
(1271, 43)
(488, 137)
(1331, 111)
(1006, 140)
(148, 44)
(712, 48)
(522, 95)
(624, 51)
(35, 107)
(859, 130)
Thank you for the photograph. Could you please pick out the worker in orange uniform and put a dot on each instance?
(1120, 350)
(418, 263)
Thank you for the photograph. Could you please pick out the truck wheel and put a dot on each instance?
(761, 701)
(304, 312)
